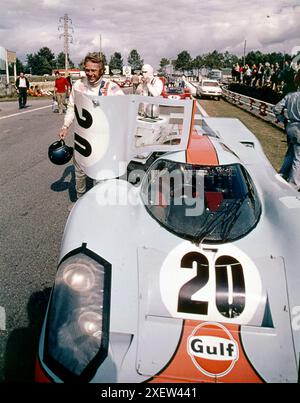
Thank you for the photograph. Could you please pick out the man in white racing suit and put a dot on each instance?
(150, 86)
(92, 84)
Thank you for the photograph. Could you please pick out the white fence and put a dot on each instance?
(257, 107)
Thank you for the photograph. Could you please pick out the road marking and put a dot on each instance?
(22, 113)
(2, 318)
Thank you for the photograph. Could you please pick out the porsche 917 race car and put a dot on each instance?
(189, 275)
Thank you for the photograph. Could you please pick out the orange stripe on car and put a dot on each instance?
(200, 150)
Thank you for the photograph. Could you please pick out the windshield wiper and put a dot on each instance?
(226, 218)
(232, 220)
(212, 221)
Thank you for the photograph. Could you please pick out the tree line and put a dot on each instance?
(44, 61)
(218, 60)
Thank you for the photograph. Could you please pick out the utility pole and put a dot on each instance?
(100, 54)
(67, 36)
(245, 44)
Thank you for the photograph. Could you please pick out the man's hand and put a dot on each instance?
(146, 80)
(63, 132)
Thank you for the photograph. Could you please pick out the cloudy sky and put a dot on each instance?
(156, 28)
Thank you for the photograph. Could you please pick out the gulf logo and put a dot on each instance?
(212, 349)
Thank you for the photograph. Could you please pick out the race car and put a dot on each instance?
(176, 93)
(189, 275)
(209, 88)
(122, 81)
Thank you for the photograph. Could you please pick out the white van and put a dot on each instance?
(215, 74)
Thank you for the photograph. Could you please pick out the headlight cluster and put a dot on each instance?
(78, 319)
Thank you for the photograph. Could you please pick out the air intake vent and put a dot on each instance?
(247, 144)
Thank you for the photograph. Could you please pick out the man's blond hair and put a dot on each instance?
(94, 57)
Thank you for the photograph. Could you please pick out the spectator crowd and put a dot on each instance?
(282, 79)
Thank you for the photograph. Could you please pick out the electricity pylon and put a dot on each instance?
(68, 38)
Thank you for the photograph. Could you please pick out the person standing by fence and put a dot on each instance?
(290, 169)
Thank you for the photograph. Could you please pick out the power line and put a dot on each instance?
(68, 38)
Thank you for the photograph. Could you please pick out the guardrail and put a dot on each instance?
(257, 107)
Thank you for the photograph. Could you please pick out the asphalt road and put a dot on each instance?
(33, 209)
(34, 200)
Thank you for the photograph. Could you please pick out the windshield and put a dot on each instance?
(175, 90)
(215, 203)
(215, 74)
(210, 84)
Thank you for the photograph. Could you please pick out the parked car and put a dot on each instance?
(176, 93)
(122, 81)
(209, 88)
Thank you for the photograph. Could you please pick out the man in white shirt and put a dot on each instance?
(92, 84)
(22, 85)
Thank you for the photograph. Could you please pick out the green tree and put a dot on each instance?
(60, 61)
(47, 54)
(214, 60)
(134, 60)
(32, 63)
(275, 57)
(229, 59)
(116, 62)
(42, 62)
(197, 63)
(44, 66)
(183, 61)
(163, 64)
(255, 57)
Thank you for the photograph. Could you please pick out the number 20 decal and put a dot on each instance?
(230, 296)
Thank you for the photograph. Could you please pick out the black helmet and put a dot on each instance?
(59, 153)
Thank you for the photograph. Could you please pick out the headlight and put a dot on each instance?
(76, 341)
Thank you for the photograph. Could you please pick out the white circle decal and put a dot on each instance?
(219, 284)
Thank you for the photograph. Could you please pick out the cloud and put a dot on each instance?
(157, 28)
